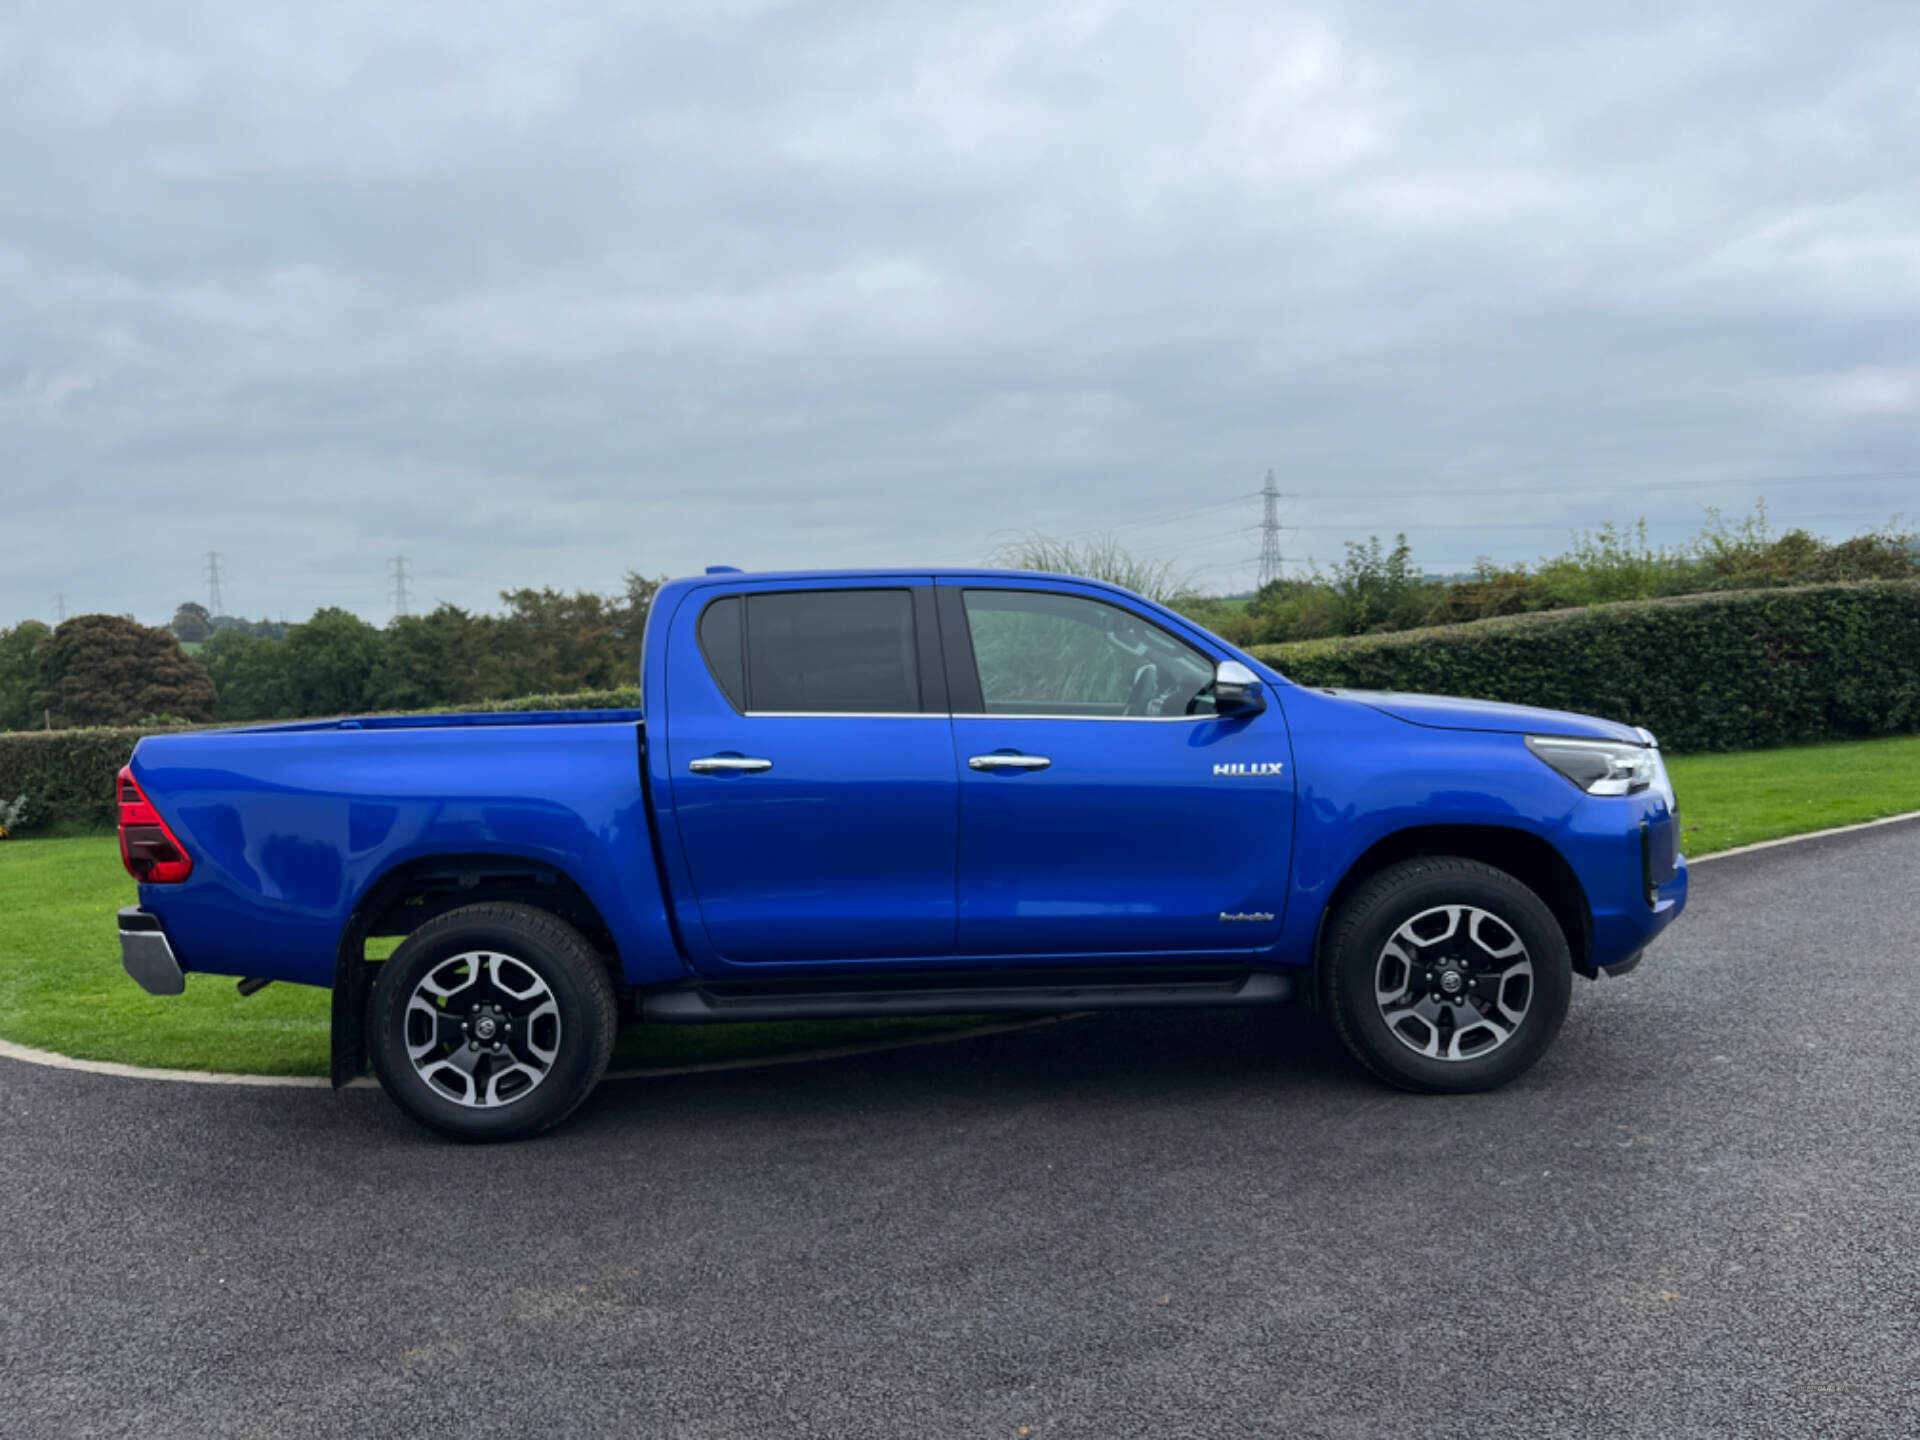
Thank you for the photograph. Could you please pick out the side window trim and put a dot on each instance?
(930, 651)
(963, 673)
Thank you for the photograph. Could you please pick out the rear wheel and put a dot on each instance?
(492, 1022)
(1444, 974)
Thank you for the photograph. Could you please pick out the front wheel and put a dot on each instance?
(1444, 974)
(491, 1022)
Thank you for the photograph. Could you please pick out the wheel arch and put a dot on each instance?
(1530, 859)
(419, 889)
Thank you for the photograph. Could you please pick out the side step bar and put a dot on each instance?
(1002, 993)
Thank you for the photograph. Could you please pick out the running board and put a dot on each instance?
(1001, 993)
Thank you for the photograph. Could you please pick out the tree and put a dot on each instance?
(191, 623)
(20, 675)
(330, 662)
(440, 658)
(1381, 589)
(555, 643)
(630, 621)
(106, 670)
(251, 675)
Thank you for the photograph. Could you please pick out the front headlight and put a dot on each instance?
(1604, 767)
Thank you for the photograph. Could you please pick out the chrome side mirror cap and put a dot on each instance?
(1237, 690)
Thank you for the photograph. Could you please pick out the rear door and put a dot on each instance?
(814, 784)
(1104, 808)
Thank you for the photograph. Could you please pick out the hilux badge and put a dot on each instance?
(1242, 769)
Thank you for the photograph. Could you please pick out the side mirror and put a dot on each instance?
(1237, 690)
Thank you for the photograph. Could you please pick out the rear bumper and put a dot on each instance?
(147, 956)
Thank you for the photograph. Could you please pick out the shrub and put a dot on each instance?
(20, 813)
(1727, 671)
(69, 773)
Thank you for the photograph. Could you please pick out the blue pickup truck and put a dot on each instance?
(904, 793)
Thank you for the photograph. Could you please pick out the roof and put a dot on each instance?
(922, 572)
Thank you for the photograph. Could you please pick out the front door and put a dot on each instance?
(814, 785)
(1104, 808)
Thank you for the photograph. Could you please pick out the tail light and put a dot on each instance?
(151, 852)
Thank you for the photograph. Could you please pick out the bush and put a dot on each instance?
(69, 774)
(20, 813)
(1728, 671)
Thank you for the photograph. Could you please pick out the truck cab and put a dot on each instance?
(906, 792)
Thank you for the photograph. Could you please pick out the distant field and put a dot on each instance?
(61, 986)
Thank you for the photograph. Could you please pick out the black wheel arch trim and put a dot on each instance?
(476, 878)
(1529, 858)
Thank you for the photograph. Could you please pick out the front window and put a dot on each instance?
(1044, 653)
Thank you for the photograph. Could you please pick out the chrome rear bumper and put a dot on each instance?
(146, 955)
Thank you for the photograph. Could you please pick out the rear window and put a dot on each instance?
(830, 651)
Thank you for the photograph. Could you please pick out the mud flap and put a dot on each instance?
(352, 980)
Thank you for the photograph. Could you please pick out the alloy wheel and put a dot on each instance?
(482, 1029)
(1454, 982)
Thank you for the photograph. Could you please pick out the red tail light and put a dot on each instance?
(151, 852)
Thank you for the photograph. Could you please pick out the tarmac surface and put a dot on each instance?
(1697, 1216)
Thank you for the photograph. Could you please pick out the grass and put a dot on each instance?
(1729, 800)
(61, 986)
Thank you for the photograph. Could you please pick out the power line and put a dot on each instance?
(1439, 490)
(1501, 527)
(1270, 563)
(397, 568)
(1165, 517)
(213, 583)
(1174, 547)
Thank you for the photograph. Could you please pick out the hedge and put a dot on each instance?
(1729, 671)
(1734, 671)
(67, 775)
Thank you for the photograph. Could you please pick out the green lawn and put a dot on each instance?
(61, 986)
(1729, 800)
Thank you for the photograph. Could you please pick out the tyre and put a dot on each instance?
(491, 1022)
(1443, 975)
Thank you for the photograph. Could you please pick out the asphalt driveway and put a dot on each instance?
(1696, 1217)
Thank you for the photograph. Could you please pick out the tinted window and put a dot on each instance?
(1042, 653)
(833, 650)
(720, 642)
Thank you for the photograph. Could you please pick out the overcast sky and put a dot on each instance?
(536, 294)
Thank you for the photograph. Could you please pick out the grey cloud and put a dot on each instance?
(537, 296)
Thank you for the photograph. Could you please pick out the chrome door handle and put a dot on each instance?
(1008, 762)
(722, 764)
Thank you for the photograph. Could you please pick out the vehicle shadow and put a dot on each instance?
(1114, 1059)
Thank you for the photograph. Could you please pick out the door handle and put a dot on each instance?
(1008, 762)
(725, 764)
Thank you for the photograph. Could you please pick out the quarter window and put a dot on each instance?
(721, 642)
(1044, 653)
